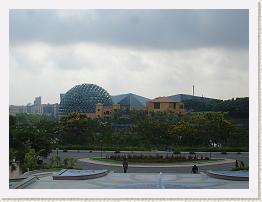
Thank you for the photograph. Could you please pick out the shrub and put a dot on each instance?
(224, 152)
(65, 150)
(240, 168)
(72, 161)
(69, 161)
(176, 152)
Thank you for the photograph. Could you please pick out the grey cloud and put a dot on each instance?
(160, 29)
(215, 72)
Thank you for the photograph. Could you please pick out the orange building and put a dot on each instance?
(165, 104)
(105, 111)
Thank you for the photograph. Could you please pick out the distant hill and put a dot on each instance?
(183, 97)
(238, 107)
(130, 100)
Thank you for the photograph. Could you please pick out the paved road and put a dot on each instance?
(86, 154)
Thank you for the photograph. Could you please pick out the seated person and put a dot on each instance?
(194, 169)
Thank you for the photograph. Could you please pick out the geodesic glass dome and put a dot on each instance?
(83, 99)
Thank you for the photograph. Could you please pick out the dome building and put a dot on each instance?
(89, 99)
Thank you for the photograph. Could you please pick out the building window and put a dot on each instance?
(156, 105)
(98, 110)
(181, 106)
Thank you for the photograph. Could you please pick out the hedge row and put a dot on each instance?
(157, 158)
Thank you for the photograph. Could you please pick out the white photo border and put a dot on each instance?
(252, 192)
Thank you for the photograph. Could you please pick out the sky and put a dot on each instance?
(147, 52)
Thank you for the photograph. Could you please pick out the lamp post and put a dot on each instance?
(210, 144)
(101, 148)
(57, 156)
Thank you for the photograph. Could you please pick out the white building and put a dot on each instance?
(36, 108)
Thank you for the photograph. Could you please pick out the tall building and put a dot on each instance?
(37, 108)
(37, 101)
(56, 110)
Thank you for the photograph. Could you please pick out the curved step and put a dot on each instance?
(229, 175)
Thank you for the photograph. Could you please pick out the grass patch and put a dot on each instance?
(105, 160)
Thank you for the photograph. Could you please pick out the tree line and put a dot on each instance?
(238, 107)
(154, 131)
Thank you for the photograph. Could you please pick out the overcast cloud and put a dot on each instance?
(148, 52)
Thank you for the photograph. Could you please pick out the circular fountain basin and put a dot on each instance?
(71, 174)
(229, 175)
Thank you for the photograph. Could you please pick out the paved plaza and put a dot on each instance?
(140, 181)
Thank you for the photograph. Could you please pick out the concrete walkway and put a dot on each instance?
(157, 165)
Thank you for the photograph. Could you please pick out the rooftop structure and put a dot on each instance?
(162, 100)
(130, 101)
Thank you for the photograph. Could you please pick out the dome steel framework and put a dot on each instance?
(83, 99)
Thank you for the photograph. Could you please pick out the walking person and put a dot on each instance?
(236, 164)
(194, 169)
(125, 165)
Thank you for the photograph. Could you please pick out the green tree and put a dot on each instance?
(30, 161)
(33, 130)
